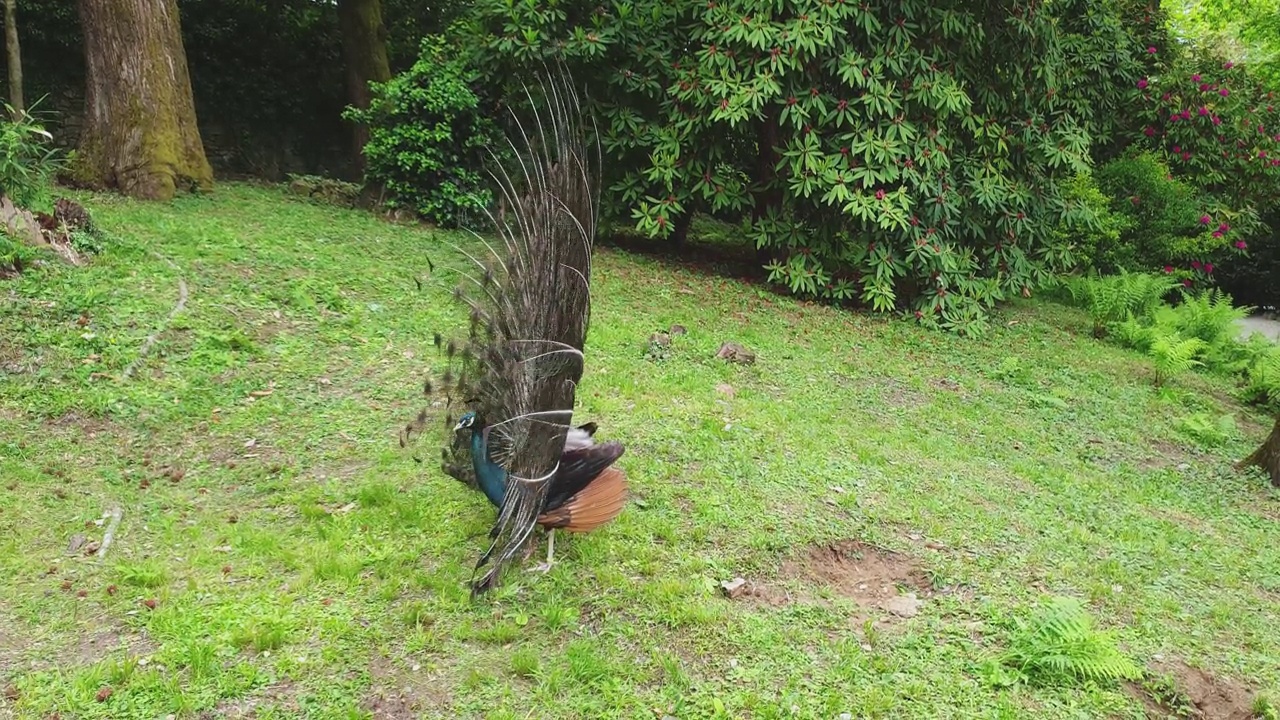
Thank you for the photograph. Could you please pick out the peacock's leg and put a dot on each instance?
(551, 550)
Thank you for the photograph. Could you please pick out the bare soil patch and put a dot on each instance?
(396, 694)
(1162, 454)
(1196, 693)
(878, 580)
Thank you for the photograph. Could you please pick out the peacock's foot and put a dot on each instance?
(543, 568)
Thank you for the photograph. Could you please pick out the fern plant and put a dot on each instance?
(1174, 355)
(1111, 299)
(1262, 379)
(1060, 645)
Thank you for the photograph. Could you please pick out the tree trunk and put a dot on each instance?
(364, 49)
(767, 195)
(13, 52)
(140, 135)
(1267, 456)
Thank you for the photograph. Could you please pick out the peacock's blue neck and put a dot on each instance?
(489, 474)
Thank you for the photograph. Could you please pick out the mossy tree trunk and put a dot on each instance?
(364, 49)
(140, 135)
(1267, 456)
(13, 56)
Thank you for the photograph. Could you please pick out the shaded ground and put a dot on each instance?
(280, 556)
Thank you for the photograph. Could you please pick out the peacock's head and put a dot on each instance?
(465, 422)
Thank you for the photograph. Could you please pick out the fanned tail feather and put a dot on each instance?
(529, 311)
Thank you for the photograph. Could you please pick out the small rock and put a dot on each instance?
(733, 352)
(906, 606)
(1183, 467)
(846, 716)
(660, 339)
(734, 588)
(77, 542)
(92, 547)
(677, 330)
(725, 389)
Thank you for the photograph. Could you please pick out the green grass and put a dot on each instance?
(302, 565)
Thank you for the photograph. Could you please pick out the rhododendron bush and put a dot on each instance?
(1216, 128)
(906, 154)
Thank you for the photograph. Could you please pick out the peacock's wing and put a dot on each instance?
(530, 312)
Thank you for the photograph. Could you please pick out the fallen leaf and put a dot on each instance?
(260, 393)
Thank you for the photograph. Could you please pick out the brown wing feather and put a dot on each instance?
(593, 506)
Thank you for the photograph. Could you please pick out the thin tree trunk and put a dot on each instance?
(364, 49)
(13, 52)
(140, 135)
(1267, 456)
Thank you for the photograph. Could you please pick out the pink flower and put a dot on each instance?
(880, 194)
(1240, 245)
(1228, 65)
(1165, 97)
(1217, 120)
(1134, 199)
(1195, 265)
(1204, 87)
(1186, 155)
(1217, 233)
(1224, 92)
(1151, 50)
(1142, 84)
(1224, 227)
(1168, 269)
(1149, 131)
(1177, 149)
(1203, 111)
(1208, 268)
(1205, 219)
(1186, 114)
(1195, 78)
(1186, 282)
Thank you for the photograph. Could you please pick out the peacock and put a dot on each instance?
(585, 492)
(518, 371)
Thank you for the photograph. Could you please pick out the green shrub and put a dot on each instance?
(1091, 227)
(1113, 299)
(1208, 430)
(1262, 379)
(1167, 222)
(1173, 355)
(28, 161)
(905, 155)
(1060, 646)
(428, 137)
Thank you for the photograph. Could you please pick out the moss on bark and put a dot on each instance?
(140, 135)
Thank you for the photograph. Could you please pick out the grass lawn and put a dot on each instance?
(279, 555)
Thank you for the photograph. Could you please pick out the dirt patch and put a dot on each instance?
(399, 694)
(87, 424)
(1162, 454)
(87, 648)
(1179, 690)
(878, 580)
